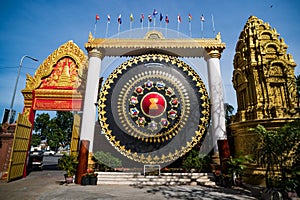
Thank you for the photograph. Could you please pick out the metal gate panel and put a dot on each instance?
(75, 134)
(20, 147)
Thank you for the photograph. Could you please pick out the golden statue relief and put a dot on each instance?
(153, 105)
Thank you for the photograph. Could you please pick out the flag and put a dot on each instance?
(131, 17)
(120, 19)
(202, 18)
(179, 18)
(161, 17)
(149, 18)
(190, 17)
(202, 24)
(108, 22)
(108, 18)
(97, 17)
(167, 19)
(155, 12)
(142, 18)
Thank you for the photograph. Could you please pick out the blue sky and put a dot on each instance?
(38, 27)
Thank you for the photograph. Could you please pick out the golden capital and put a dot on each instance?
(96, 52)
(212, 53)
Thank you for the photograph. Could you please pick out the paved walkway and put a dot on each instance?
(47, 185)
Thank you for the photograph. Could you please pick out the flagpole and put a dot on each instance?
(154, 15)
(130, 30)
(107, 23)
(167, 21)
(161, 17)
(202, 25)
(106, 32)
(142, 21)
(202, 28)
(178, 24)
(119, 24)
(177, 28)
(131, 20)
(118, 30)
(190, 28)
(95, 29)
(213, 24)
(190, 24)
(166, 29)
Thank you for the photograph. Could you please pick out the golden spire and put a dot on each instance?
(65, 79)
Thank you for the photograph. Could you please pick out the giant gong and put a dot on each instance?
(154, 108)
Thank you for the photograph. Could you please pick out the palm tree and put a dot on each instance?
(267, 152)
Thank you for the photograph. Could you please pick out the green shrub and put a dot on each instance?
(68, 163)
(194, 161)
(106, 161)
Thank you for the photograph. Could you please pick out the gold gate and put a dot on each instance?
(19, 149)
(75, 134)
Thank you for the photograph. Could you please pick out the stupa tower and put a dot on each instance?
(264, 81)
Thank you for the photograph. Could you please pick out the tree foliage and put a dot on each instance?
(228, 113)
(41, 124)
(195, 161)
(278, 152)
(35, 140)
(56, 131)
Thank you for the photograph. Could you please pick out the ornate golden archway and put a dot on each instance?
(58, 83)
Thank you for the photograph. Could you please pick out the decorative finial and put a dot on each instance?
(218, 37)
(90, 37)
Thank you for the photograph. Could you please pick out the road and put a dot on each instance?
(50, 162)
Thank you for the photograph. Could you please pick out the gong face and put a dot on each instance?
(154, 108)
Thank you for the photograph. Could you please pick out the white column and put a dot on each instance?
(90, 97)
(216, 96)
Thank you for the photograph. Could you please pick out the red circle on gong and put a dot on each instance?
(153, 104)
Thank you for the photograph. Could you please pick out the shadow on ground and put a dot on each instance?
(202, 192)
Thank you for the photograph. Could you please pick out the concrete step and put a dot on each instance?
(133, 178)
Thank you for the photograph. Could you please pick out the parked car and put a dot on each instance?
(49, 153)
(36, 160)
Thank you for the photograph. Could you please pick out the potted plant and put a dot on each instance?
(89, 178)
(68, 163)
(235, 168)
(218, 177)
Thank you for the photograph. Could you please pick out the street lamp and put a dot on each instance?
(14, 94)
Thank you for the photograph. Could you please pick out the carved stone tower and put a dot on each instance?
(264, 81)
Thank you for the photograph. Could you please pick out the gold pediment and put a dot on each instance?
(70, 50)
